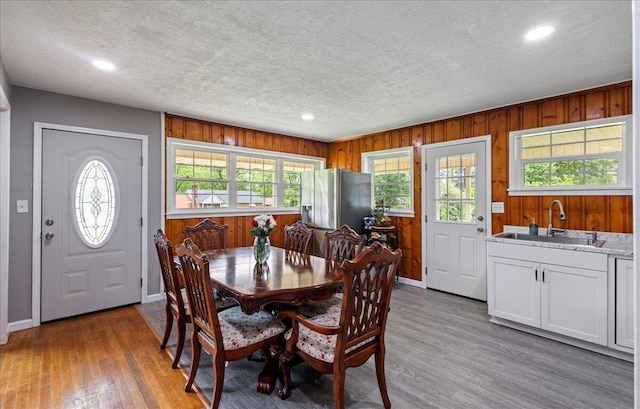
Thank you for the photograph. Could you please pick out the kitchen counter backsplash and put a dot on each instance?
(616, 244)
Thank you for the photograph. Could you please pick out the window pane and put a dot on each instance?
(292, 196)
(536, 140)
(443, 210)
(537, 174)
(569, 136)
(455, 185)
(257, 195)
(567, 173)
(601, 172)
(592, 153)
(441, 186)
(392, 180)
(291, 179)
(255, 182)
(572, 149)
(604, 146)
(95, 202)
(190, 195)
(604, 132)
(536, 152)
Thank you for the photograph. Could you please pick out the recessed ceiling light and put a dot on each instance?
(307, 117)
(104, 65)
(538, 33)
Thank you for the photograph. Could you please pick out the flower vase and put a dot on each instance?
(261, 249)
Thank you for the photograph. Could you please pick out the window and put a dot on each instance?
(210, 179)
(456, 187)
(392, 178)
(96, 201)
(586, 158)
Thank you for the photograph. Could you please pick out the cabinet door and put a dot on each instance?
(624, 303)
(513, 290)
(574, 302)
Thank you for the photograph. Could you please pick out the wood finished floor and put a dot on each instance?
(442, 353)
(108, 359)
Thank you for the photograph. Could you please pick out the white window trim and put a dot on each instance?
(367, 157)
(173, 144)
(623, 187)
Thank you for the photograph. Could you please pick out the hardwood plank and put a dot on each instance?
(100, 360)
(594, 103)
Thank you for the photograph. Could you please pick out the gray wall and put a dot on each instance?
(4, 81)
(29, 106)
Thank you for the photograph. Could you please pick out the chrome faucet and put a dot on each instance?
(551, 231)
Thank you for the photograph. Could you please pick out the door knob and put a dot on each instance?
(480, 218)
(480, 229)
(48, 236)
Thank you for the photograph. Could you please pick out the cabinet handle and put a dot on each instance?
(543, 275)
(536, 273)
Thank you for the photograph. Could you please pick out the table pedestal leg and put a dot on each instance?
(269, 374)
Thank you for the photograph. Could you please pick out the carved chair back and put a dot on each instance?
(297, 237)
(208, 235)
(343, 244)
(368, 280)
(195, 269)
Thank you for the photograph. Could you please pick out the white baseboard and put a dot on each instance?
(153, 297)
(19, 325)
(408, 281)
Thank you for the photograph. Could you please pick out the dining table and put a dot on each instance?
(287, 279)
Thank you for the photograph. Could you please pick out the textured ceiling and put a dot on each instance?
(359, 67)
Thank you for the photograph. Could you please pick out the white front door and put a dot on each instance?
(91, 223)
(455, 199)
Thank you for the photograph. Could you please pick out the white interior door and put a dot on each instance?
(456, 226)
(91, 223)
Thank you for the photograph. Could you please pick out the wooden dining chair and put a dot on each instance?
(175, 302)
(228, 335)
(297, 237)
(341, 244)
(208, 235)
(175, 295)
(333, 342)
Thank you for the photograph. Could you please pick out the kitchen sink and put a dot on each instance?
(553, 239)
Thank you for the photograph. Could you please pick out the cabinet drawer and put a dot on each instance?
(549, 255)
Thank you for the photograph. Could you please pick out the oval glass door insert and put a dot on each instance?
(96, 199)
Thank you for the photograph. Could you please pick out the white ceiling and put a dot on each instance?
(359, 67)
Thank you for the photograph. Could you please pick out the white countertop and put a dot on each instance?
(616, 244)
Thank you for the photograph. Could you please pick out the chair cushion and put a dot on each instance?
(318, 345)
(330, 306)
(240, 330)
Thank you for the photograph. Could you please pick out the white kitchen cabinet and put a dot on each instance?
(513, 293)
(553, 289)
(624, 303)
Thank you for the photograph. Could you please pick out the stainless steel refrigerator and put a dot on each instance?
(331, 198)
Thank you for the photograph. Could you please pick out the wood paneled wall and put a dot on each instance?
(239, 226)
(603, 213)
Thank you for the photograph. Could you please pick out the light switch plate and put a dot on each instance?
(497, 207)
(22, 206)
